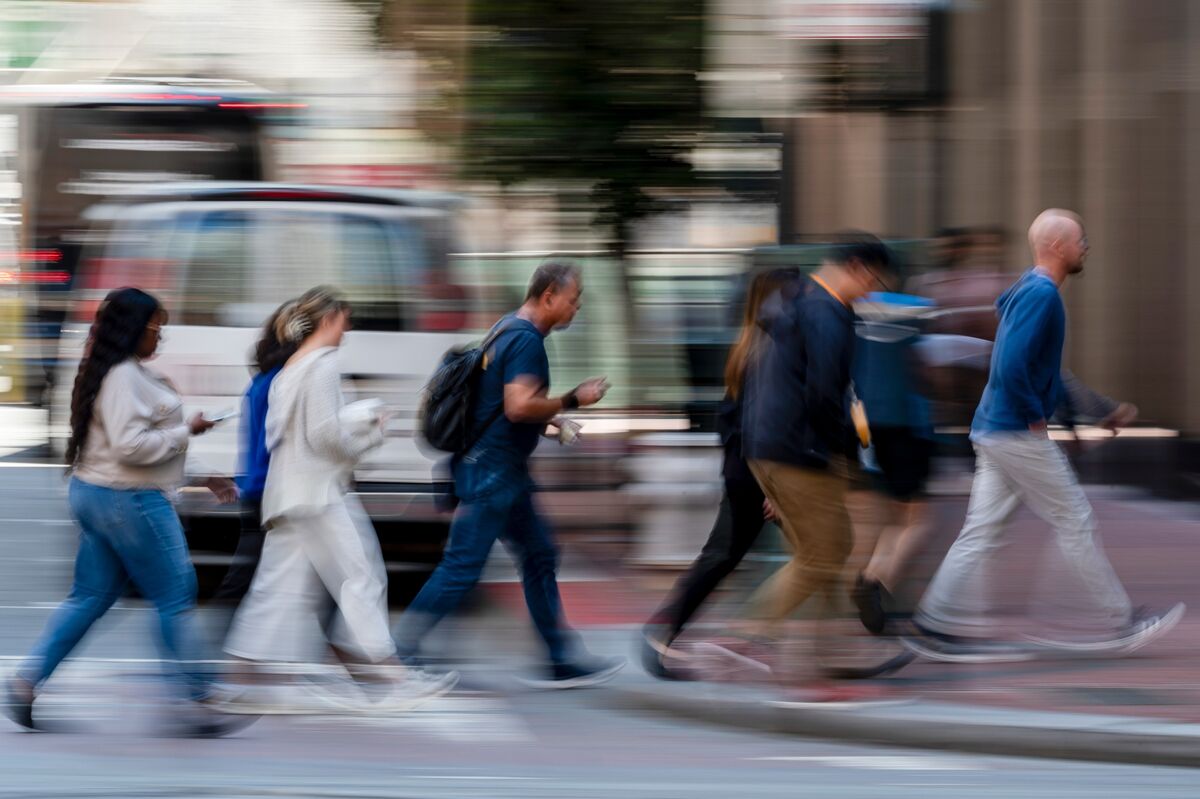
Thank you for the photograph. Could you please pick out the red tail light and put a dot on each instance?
(444, 310)
(39, 278)
(98, 276)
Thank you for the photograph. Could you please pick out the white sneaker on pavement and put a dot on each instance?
(1143, 628)
(416, 688)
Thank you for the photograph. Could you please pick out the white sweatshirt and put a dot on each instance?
(313, 453)
(137, 438)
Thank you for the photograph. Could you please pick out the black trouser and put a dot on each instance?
(737, 527)
(245, 558)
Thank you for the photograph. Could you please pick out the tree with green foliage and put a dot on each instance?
(604, 94)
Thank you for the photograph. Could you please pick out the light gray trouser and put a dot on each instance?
(1011, 468)
(304, 557)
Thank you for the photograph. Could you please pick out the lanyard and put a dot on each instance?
(817, 279)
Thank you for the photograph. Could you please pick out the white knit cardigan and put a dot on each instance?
(313, 452)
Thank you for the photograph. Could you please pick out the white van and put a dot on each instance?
(223, 256)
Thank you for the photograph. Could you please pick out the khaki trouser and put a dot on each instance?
(812, 514)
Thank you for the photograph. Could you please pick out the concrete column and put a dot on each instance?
(1024, 112)
(841, 172)
(1189, 252)
(1096, 333)
(979, 149)
(911, 177)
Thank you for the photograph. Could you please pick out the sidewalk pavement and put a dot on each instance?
(1144, 708)
(1141, 709)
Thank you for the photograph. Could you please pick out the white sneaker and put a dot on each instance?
(415, 689)
(305, 698)
(1145, 628)
(1141, 630)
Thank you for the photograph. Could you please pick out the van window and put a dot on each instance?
(352, 253)
(216, 255)
(367, 274)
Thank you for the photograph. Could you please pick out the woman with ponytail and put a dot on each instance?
(317, 533)
(126, 453)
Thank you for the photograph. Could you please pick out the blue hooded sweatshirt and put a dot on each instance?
(1024, 382)
(252, 477)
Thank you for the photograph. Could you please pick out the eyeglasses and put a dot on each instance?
(884, 287)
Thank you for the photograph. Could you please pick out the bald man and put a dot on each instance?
(1017, 462)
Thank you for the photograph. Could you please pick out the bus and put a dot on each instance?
(78, 144)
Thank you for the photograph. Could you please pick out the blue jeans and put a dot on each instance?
(496, 496)
(124, 535)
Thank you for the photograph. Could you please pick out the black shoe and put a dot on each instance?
(205, 719)
(868, 598)
(580, 674)
(933, 645)
(18, 702)
(653, 648)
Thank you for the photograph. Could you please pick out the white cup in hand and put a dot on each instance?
(359, 417)
(568, 431)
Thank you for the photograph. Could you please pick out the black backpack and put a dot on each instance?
(446, 422)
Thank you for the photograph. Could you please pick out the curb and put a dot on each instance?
(931, 725)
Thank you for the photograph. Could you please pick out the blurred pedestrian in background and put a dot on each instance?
(270, 354)
(317, 533)
(965, 289)
(492, 481)
(126, 452)
(891, 519)
(797, 432)
(965, 285)
(743, 507)
(1017, 462)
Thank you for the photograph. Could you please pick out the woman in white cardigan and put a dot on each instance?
(318, 537)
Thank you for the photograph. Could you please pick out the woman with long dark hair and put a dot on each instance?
(126, 453)
(743, 508)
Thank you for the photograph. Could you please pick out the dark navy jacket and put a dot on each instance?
(796, 408)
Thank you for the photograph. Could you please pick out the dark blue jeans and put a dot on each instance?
(124, 535)
(496, 496)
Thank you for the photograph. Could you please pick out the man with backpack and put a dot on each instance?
(509, 410)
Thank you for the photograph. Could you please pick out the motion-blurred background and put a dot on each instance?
(426, 155)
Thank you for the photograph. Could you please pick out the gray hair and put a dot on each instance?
(552, 275)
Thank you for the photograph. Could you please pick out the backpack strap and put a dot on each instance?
(494, 334)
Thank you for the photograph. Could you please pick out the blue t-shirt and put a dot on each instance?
(252, 476)
(519, 351)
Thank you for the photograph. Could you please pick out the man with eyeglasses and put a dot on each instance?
(798, 432)
(1016, 462)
